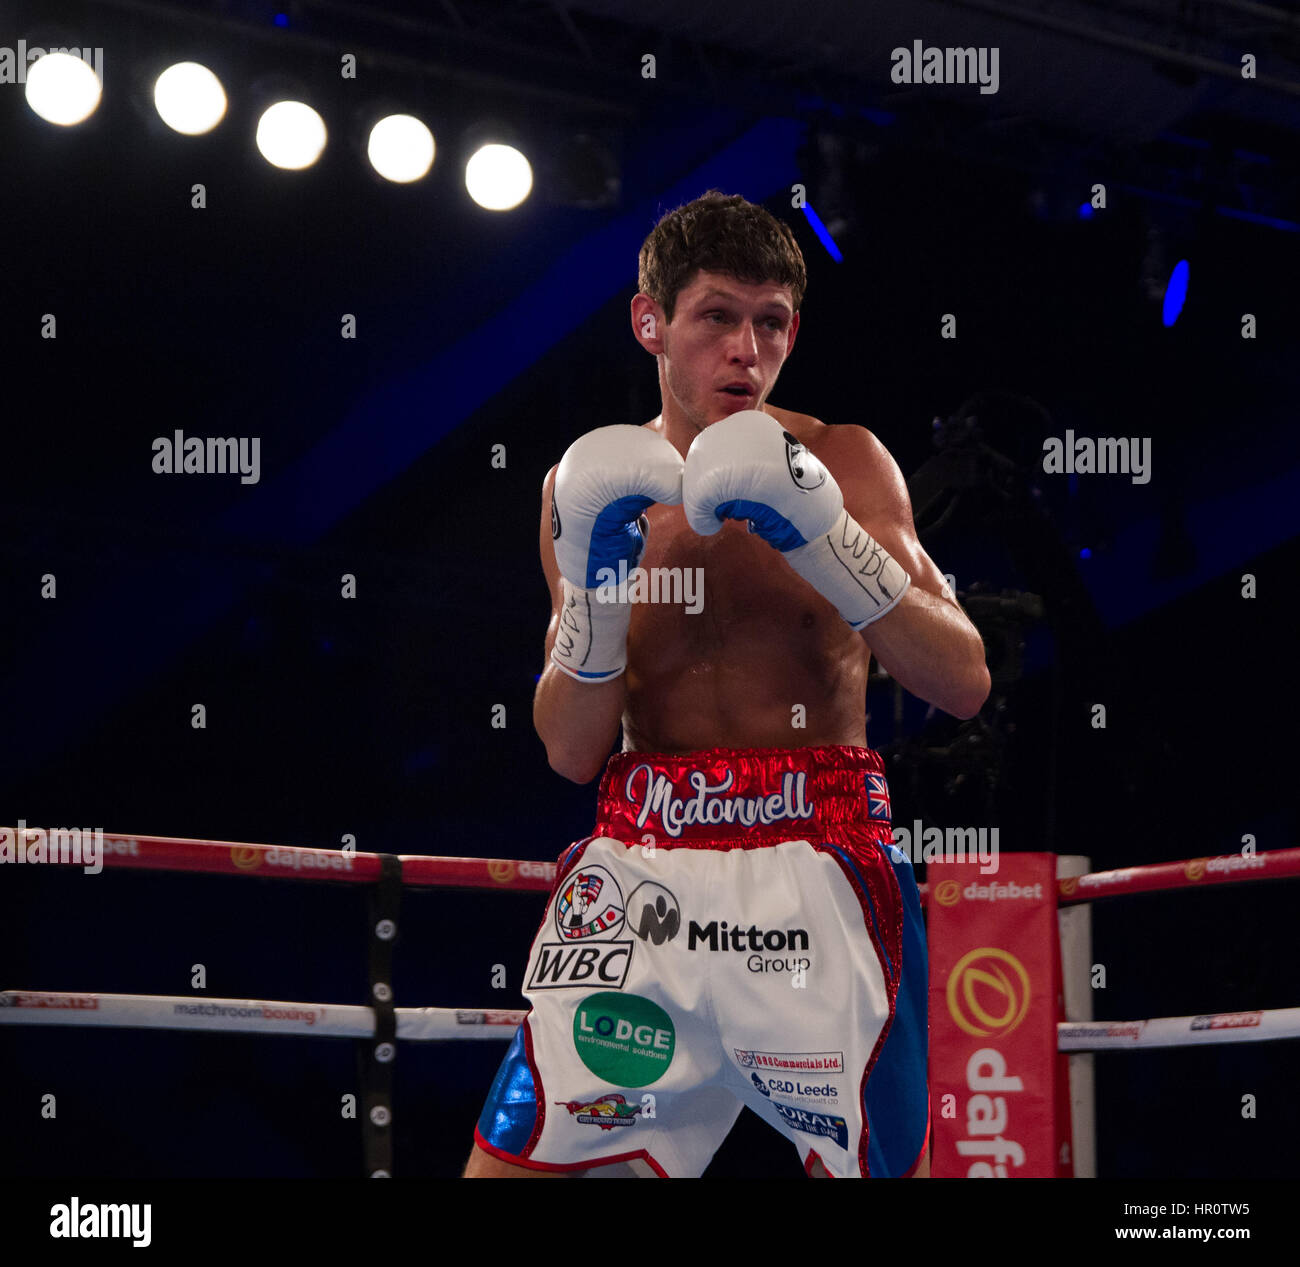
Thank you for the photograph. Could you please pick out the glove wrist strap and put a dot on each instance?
(591, 642)
(851, 569)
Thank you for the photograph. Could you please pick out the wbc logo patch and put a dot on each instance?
(590, 904)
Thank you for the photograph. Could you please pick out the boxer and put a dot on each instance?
(738, 929)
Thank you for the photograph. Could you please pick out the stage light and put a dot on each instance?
(401, 148)
(1175, 293)
(290, 135)
(498, 177)
(189, 98)
(823, 233)
(62, 89)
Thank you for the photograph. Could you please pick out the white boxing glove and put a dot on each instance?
(604, 482)
(747, 466)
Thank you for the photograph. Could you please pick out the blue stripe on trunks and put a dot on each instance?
(897, 1096)
(510, 1112)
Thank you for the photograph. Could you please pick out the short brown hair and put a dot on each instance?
(719, 233)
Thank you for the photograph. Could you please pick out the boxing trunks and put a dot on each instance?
(738, 930)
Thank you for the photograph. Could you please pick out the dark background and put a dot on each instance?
(476, 329)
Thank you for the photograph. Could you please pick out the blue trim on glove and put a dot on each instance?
(616, 537)
(774, 528)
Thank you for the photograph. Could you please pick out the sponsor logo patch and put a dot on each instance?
(599, 963)
(1228, 1020)
(623, 1038)
(815, 1094)
(607, 1112)
(589, 904)
(810, 1122)
(653, 914)
(818, 1062)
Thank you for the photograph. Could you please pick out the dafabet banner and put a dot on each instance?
(998, 1089)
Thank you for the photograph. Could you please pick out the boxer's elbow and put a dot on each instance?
(569, 750)
(974, 692)
(573, 764)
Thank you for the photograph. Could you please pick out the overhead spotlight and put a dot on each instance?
(498, 177)
(401, 148)
(290, 135)
(63, 89)
(189, 98)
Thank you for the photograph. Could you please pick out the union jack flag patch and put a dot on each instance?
(877, 797)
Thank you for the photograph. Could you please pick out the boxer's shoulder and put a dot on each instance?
(844, 445)
(808, 430)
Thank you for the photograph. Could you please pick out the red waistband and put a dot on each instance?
(752, 794)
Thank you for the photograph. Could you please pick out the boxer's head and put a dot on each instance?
(722, 280)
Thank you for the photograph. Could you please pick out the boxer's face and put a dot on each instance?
(725, 331)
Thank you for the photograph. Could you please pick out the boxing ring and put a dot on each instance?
(378, 1027)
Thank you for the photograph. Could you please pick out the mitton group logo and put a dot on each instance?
(988, 992)
(653, 913)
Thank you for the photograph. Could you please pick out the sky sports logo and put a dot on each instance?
(1228, 1020)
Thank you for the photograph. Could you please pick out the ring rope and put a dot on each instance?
(439, 1024)
(226, 857)
(250, 1016)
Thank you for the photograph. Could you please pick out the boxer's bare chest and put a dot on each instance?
(727, 644)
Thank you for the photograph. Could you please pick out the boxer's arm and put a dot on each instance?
(925, 641)
(577, 721)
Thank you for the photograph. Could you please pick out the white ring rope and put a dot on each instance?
(1180, 1031)
(433, 1024)
(249, 1016)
